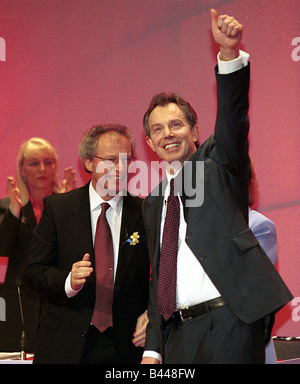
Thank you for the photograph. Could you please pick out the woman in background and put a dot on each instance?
(20, 211)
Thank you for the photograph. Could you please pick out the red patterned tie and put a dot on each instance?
(166, 293)
(104, 261)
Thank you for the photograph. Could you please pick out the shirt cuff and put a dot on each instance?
(68, 289)
(153, 354)
(226, 67)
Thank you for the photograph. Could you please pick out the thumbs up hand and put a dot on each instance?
(80, 272)
(227, 32)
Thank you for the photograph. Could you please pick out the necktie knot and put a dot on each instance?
(104, 207)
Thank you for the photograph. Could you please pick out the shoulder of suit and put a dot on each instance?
(68, 196)
(133, 200)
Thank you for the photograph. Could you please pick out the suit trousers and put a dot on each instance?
(217, 337)
(100, 347)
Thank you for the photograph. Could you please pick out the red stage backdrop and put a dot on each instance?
(66, 65)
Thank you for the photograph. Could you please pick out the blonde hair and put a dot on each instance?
(35, 144)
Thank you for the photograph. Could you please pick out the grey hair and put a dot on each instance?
(89, 141)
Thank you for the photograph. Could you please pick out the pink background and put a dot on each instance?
(73, 63)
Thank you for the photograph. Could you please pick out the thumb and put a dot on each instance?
(86, 257)
(214, 18)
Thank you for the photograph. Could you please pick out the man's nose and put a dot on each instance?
(167, 131)
(121, 165)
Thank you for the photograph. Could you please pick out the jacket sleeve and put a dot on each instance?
(232, 124)
(13, 230)
(41, 271)
(9, 228)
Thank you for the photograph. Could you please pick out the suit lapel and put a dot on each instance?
(130, 216)
(153, 211)
(80, 222)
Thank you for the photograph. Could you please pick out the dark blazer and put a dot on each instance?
(217, 230)
(15, 239)
(62, 237)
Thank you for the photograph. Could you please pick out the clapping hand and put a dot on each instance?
(15, 203)
(69, 181)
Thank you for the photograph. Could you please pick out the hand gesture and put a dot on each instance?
(227, 32)
(15, 203)
(80, 271)
(69, 181)
(139, 336)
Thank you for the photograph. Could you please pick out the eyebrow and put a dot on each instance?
(169, 122)
(176, 120)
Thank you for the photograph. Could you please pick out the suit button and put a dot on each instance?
(84, 334)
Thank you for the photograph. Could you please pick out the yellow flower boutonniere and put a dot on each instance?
(133, 239)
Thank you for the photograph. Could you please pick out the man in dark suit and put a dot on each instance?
(226, 290)
(62, 261)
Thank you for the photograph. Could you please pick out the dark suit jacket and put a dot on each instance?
(62, 237)
(15, 239)
(217, 231)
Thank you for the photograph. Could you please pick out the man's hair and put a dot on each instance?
(163, 99)
(89, 141)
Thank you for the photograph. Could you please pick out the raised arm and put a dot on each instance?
(231, 129)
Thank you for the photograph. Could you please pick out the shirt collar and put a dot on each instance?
(169, 178)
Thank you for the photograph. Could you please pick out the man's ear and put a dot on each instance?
(195, 132)
(150, 143)
(88, 164)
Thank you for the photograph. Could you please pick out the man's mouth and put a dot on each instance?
(171, 145)
(116, 177)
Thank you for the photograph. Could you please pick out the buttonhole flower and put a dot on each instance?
(133, 239)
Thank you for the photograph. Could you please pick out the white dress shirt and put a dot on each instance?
(193, 284)
(114, 217)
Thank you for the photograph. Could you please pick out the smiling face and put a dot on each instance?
(109, 180)
(171, 136)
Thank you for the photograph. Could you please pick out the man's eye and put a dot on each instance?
(112, 159)
(157, 129)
